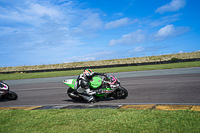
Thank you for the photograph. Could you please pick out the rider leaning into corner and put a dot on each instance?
(82, 85)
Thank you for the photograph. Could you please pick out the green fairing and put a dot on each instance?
(70, 83)
(95, 82)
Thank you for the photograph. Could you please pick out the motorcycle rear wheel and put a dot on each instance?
(120, 93)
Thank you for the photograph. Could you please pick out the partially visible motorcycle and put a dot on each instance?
(5, 92)
(110, 87)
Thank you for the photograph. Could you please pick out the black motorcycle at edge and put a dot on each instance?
(5, 93)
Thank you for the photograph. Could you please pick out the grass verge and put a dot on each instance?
(103, 70)
(98, 120)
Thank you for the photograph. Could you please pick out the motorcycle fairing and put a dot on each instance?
(70, 83)
(3, 86)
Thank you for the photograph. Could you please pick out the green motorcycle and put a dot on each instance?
(110, 87)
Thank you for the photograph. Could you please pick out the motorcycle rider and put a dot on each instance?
(82, 85)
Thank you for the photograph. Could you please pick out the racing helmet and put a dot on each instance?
(88, 73)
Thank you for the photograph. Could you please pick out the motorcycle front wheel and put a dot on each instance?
(120, 93)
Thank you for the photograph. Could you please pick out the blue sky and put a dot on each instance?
(37, 32)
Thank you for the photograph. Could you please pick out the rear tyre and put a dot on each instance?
(120, 93)
(12, 95)
(74, 95)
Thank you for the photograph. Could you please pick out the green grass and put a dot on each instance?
(103, 70)
(98, 120)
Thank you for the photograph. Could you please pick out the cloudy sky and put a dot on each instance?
(37, 32)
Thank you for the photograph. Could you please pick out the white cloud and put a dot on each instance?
(41, 10)
(129, 39)
(174, 5)
(169, 31)
(165, 31)
(118, 23)
(30, 13)
(163, 20)
(89, 25)
(138, 49)
(93, 21)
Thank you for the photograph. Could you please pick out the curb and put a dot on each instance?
(20, 108)
(137, 107)
(163, 107)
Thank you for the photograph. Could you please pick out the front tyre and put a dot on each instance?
(12, 95)
(120, 93)
(73, 95)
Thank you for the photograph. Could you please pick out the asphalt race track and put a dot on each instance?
(177, 86)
